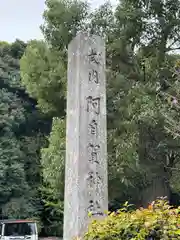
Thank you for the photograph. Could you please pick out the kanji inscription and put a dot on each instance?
(93, 150)
(86, 185)
(94, 179)
(93, 76)
(93, 104)
(95, 207)
(94, 56)
(93, 127)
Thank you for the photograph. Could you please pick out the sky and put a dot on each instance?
(21, 19)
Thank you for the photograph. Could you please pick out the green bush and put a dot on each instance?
(158, 222)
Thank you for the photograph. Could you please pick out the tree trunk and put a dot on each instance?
(158, 188)
(152, 160)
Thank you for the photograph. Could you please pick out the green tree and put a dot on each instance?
(22, 135)
(53, 163)
(139, 37)
(45, 77)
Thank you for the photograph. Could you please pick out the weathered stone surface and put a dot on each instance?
(86, 145)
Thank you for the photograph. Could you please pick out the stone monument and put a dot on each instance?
(86, 189)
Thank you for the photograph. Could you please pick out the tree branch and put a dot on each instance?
(172, 49)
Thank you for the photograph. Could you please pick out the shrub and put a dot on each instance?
(158, 222)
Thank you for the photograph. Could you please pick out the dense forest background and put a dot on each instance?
(143, 94)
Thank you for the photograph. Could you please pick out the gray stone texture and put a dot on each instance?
(86, 187)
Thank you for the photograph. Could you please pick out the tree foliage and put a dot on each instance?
(159, 221)
(45, 77)
(53, 161)
(53, 157)
(22, 135)
(142, 92)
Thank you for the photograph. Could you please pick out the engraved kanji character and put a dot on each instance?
(94, 153)
(94, 178)
(93, 76)
(93, 104)
(95, 208)
(93, 127)
(98, 178)
(94, 56)
(91, 206)
(91, 179)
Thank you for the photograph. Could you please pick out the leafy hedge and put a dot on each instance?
(158, 222)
